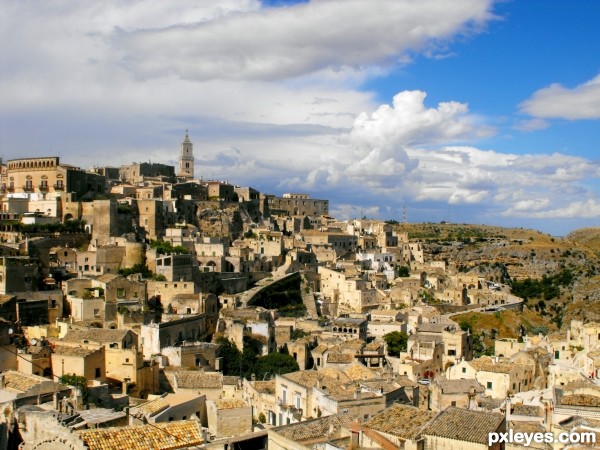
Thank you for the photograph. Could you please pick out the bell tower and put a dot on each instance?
(186, 158)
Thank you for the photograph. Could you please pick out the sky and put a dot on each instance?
(466, 111)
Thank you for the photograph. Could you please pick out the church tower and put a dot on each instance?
(186, 158)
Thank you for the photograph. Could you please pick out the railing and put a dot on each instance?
(58, 187)
(28, 188)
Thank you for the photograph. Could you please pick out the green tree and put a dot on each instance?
(396, 342)
(275, 363)
(403, 271)
(78, 382)
(231, 356)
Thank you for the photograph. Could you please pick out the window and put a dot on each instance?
(284, 396)
(120, 292)
(298, 401)
(97, 374)
(464, 370)
(452, 403)
(489, 385)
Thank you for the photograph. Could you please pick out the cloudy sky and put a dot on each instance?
(469, 111)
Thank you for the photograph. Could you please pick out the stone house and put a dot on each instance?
(463, 394)
(499, 378)
(196, 382)
(228, 417)
(260, 395)
(170, 407)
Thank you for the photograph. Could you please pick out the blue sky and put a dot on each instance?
(471, 111)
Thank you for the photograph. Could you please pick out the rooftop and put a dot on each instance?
(403, 421)
(464, 425)
(163, 436)
(230, 403)
(195, 379)
(459, 386)
(313, 429)
(100, 335)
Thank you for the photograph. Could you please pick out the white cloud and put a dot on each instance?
(532, 125)
(290, 42)
(556, 101)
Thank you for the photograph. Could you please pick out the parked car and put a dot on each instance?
(424, 381)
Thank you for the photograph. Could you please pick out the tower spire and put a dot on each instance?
(186, 158)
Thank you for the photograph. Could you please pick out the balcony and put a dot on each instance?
(10, 189)
(28, 188)
(43, 187)
(59, 187)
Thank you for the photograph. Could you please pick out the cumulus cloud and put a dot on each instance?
(557, 101)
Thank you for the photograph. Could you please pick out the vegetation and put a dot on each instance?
(249, 361)
(137, 268)
(403, 271)
(70, 226)
(166, 248)
(547, 288)
(396, 342)
(78, 382)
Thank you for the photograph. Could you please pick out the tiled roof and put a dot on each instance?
(403, 421)
(107, 277)
(195, 379)
(528, 410)
(357, 371)
(230, 380)
(21, 382)
(100, 335)
(373, 346)
(464, 425)
(340, 358)
(230, 403)
(163, 436)
(65, 350)
(320, 349)
(459, 386)
(488, 364)
(153, 407)
(313, 429)
(310, 378)
(264, 387)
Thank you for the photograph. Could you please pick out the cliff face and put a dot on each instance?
(503, 255)
(226, 221)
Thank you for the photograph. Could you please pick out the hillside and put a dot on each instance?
(562, 275)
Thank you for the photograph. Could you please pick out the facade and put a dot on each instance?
(46, 178)
(297, 204)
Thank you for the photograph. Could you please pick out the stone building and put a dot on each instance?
(46, 177)
(186, 159)
(228, 417)
(297, 204)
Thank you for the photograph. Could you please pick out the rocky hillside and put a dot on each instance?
(569, 266)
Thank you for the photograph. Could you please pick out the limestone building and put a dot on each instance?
(186, 159)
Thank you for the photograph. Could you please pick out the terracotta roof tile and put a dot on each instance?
(464, 425)
(404, 421)
(313, 429)
(163, 436)
(153, 407)
(194, 379)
